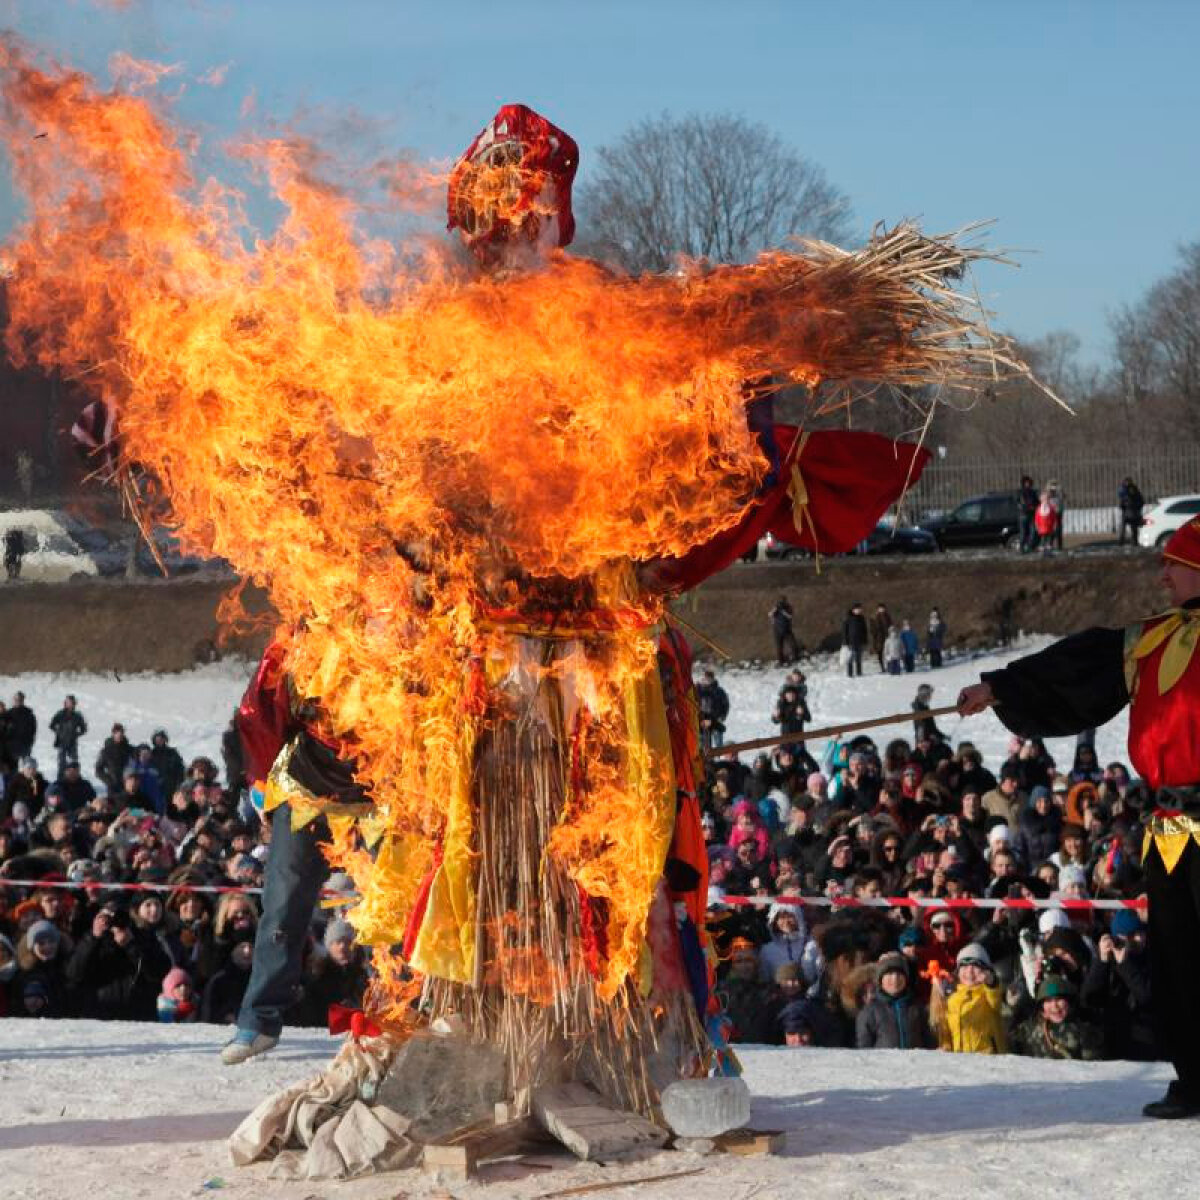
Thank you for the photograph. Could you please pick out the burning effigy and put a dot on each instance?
(471, 485)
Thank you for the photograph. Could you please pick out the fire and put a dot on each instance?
(420, 463)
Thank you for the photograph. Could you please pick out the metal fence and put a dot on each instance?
(1087, 482)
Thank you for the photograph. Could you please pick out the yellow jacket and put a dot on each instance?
(973, 1021)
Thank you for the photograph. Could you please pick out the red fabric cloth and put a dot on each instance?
(1184, 545)
(480, 200)
(1162, 729)
(352, 1021)
(851, 480)
(265, 719)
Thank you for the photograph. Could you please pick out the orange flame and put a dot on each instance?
(394, 446)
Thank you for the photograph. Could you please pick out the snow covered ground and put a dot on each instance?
(142, 1112)
(195, 706)
(833, 698)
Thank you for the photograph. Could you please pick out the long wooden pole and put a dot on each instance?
(778, 739)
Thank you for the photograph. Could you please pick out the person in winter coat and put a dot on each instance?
(1027, 503)
(973, 1023)
(893, 1019)
(713, 704)
(1054, 1031)
(223, 995)
(791, 714)
(337, 976)
(41, 973)
(743, 997)
(1131, 502)
(942, 937)
(1046, 519)
(893, 652)
(20, 729)
(935, 640)
(165, 759)
(116, 970)
(910, 646)
(781, 617)
(177, 1000)
(923, 726)
(1127, 1015)
(1039, 829)
(236, 921)
(68, 726)
(881, 625)
(28, 785)
(790, 943)
(854, 639)
(115, 755)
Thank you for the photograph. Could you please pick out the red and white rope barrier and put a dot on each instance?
(917, 902)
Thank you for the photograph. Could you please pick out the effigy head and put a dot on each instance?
(513, 183)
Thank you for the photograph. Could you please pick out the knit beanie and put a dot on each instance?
(40, 930)
(173, 978)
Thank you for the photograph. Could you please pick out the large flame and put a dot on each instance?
(408, 455)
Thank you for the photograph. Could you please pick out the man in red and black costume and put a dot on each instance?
(1085, 680)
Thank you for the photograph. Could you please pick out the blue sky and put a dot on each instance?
(1072, 124)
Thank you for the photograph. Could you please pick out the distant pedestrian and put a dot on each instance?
(14, 552)
(935, 641)
(881, 623)
(1059, 499)
(68, 726)
(20, 729)
(713, 703)
(893, 652)
(1027, 503)
(854, 639)
(1131, 503)
(910, 646)
(781, 617)
(1046, 521)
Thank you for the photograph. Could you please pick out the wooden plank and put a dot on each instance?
(751, 1141)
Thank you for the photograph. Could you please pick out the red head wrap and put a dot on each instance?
(1184, 545)
(518, 167)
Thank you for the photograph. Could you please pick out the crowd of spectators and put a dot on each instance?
(918, 818)
(143, 817)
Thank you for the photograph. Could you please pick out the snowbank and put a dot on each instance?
(142, 1111)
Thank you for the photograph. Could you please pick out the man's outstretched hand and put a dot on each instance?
(975, 699)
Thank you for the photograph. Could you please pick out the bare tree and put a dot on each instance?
(717, 187)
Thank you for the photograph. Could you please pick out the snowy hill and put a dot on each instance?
(141, 1112)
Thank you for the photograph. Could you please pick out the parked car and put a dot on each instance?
(990, 520)
(887, 538)
(52, 554)
(883, 539)
(1163, 517)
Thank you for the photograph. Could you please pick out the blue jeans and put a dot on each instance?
(296, 871)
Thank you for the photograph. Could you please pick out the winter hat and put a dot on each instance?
(1052, 919)
(173, 978)
(1054, 986)
(42, 930)
(891, 962)
(787, 973)
(795, 1018)
(973, 952)
(999, 833)
(1039, 793)
(1070, 942)
(817, 781)
(1126, 923)
(35, 989)
(1072, 875)
(27, 764)
(909, 937)
(338, 931)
